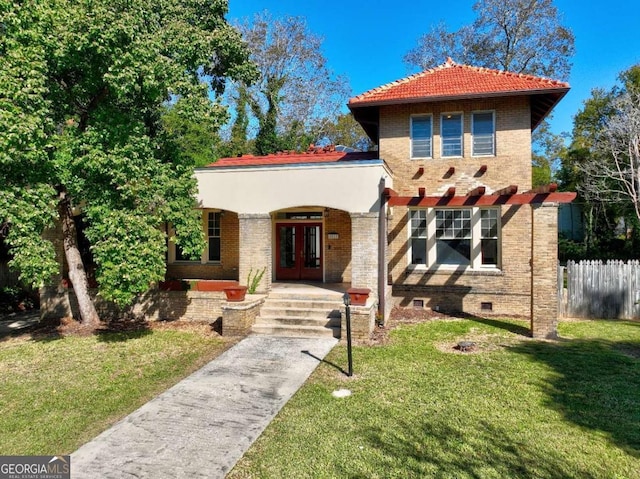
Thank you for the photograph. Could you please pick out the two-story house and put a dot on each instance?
(441, 216)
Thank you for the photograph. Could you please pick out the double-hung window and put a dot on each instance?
(213, 236)
(455, 237)
(483, 131)
(418, 236)
(451, 133)
(421, 136)
(212, 252)
(489, 236)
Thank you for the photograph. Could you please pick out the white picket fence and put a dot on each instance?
(597, 289)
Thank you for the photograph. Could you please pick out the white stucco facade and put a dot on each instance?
(353, 186)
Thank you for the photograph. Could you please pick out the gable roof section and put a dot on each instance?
(293, 159)
(451, 81)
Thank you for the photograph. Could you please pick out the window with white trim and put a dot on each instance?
(483, 132)
(421, 133)
(418, 236)
(212, 252)
(451, 134)
(455, 237)
(213, 236)
(489, 236)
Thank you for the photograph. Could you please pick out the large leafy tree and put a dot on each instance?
(603, 161)
(297, 95)
(522, 36)
(84, 85)
(346, 131)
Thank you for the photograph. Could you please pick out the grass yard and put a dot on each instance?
(56, 392)
(514, 408)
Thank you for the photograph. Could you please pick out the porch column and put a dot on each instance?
(364, 251)
(255, 249)
(544, 270)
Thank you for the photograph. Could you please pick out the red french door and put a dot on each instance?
(299, 251)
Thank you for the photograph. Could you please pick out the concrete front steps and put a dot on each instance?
(300, 314)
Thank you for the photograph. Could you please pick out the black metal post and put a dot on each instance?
(347, 304)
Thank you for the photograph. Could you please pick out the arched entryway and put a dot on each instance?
(312, 244)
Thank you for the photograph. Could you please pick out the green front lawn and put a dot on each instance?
(514, 408)
(58, 392)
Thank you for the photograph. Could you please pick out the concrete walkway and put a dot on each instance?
(15, 322)
(201, 427)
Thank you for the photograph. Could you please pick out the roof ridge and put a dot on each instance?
(448, 64)
(526, 76)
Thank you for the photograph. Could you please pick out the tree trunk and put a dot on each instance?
(77, 275)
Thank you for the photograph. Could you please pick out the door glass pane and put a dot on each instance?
(287, 247)
(312, 247)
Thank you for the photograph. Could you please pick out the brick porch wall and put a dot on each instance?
(256, 250)
(364, 251)
(337, 259)
(154, 305)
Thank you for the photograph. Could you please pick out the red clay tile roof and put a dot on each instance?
(293, 158)
(451, 80)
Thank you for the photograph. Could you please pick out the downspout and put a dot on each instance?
(382, 249)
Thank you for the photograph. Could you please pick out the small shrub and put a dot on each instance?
(253, 282)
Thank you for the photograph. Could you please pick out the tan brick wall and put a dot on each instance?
(364, 251)
(512, 163)
(229, 255)
(337, 259)
(508, 289)
(154, 305)
(256, 250)
(238, 318)
(544, 314)
(363, 320)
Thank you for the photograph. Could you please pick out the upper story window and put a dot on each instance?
(483, 130)
(421, 132)
(451, 133)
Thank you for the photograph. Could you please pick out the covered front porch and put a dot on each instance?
(304, 217)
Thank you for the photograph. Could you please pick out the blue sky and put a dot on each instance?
(365, 40)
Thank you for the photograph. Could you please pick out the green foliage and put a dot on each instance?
(77, 386)
(570, 250)
(514, 408)
(16, 299)
(253, 279)
(107, 103)
(297, 95)
(197, 139)
(513, 35)
(587, 167)
(347, 131)
(238, 144)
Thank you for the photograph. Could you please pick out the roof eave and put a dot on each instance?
(466, 96)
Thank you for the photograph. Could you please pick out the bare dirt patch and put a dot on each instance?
(483, 342)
